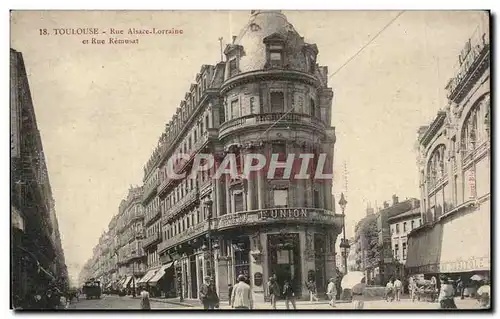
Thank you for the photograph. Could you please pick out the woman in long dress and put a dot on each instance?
(446, 295)
(145, 302)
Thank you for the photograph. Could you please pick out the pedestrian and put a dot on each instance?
(389, 291)
(398, 286)
(51, 300)
(289, 295)
(145, 302)
(311, 286)
(331, 291)
(484, 295)
(274, 291)
(242, 296)
(230, 292)
(461, 288)
(446, 294)
(208, 294)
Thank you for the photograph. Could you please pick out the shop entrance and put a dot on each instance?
(194, 279)
(284, 259)
(320, 262)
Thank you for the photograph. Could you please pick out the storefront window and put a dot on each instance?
(242, 257)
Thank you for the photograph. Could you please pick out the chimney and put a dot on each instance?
(386, 204)
(395, 199)
(234, 38)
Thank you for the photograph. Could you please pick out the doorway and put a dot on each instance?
(320, 262)
(284, 259)
(194, 279)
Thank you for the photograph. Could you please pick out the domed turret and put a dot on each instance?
(268, 41)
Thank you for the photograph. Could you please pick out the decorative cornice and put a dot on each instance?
(269, 75)
(433, 128)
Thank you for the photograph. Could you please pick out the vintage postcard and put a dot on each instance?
(260, 159)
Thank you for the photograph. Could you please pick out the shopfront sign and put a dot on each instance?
(472, 184)
(471, 264)
(284, 213)
(257, 279)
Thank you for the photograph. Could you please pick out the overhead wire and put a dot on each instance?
(342, 66)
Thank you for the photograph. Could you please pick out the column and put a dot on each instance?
(199, 280)
(228, 194)
(222, 276)
(307, 259)
(330, 265)
(265, 261)
(250, 192)
(257, 267)
(219, 191)
(189, 279)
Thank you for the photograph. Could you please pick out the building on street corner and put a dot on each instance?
(269, 96)
(454, 167)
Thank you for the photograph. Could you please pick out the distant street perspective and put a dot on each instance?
(289, 176)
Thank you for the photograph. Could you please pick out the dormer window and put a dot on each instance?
(276, 55)
(233, 67)
(275, 47)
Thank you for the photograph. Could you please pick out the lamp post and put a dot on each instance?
(179, 280)
(344, 244)
(208, 204)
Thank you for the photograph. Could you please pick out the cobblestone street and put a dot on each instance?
(127, 302)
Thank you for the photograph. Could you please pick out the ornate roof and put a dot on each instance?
(268, 24)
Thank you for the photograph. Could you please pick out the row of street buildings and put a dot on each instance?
(446, 230)
(37, 257)
(269, 96)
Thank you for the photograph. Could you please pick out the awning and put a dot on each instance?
(148, 275)
(466, 241)
(127, 281)
(424, 249)
(159, 274)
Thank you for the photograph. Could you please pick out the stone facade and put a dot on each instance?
(454, 167)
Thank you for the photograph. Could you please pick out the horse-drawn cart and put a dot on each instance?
(425, 290)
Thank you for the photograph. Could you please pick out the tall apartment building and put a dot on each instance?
(401, 225)
(454, 167)
(269, 96)
(37, 256)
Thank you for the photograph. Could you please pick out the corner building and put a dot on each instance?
(269, 96)
(454, 166)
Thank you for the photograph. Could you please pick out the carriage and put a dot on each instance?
(92, 289)
(425, 290)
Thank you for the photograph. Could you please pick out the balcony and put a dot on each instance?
(257, 217)
(475, 59)
(150, 190)
(468, 156)
(188, 234)
(269, 119)
(191, 198)
(151, 240)
(149, 218)
(211, 134)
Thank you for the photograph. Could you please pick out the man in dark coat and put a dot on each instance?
(208, 294)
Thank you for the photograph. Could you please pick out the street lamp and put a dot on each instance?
(179, 280)
(208, 204)
(344, 244)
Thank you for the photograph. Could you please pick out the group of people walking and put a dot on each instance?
(394, 289)
(51, 299)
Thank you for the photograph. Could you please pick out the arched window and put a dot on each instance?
(435, 167)
(475, 129)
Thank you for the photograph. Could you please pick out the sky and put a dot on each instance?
(101, 108)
